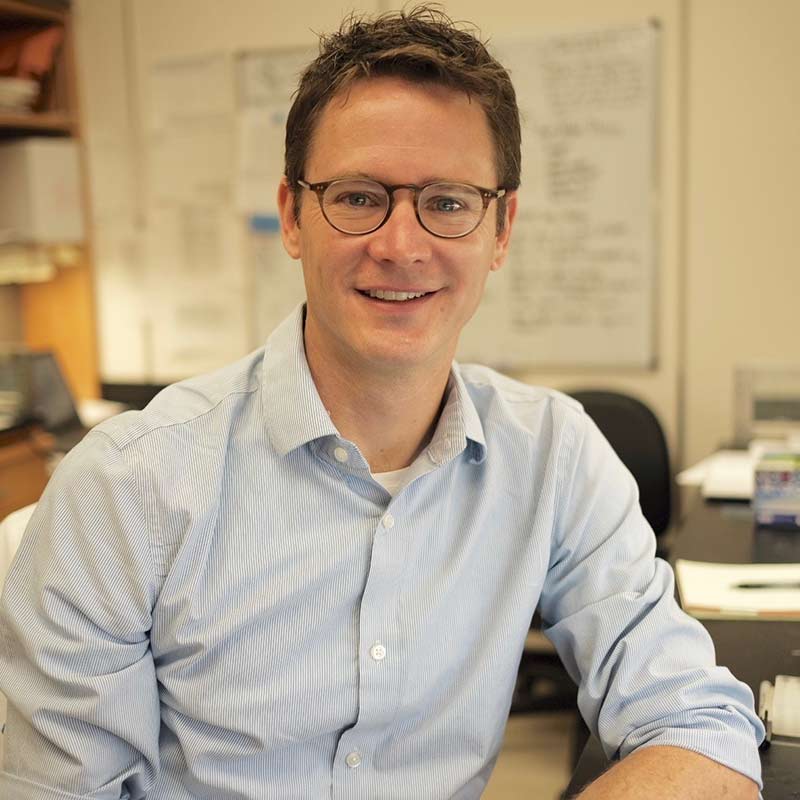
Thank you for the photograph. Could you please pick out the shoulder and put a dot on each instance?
(500, 399)
(202, 402)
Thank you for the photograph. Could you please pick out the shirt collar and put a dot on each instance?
(294, 413)
(293, 410)
(459, 424)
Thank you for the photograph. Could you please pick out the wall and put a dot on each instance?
(742, 203)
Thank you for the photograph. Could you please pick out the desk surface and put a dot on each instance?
(752, 650)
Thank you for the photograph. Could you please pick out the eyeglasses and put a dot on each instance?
(358, 205)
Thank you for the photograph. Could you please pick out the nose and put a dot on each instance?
(401, 239)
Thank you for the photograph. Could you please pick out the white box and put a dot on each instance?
(40, 197)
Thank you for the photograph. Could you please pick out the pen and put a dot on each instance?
(777, 585)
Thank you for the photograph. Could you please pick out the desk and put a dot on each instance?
(753, 651)
(24, 451)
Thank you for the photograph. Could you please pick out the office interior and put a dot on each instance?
(727, 203)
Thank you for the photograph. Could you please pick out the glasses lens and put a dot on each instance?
(450, 209)
(355, 206)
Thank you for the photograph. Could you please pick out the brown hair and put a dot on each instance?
(420, 45)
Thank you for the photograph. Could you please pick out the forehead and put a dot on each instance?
(401, 131)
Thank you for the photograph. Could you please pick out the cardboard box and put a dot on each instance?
(776, 499)
(40, 197)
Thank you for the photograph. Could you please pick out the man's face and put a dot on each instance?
(395, 132)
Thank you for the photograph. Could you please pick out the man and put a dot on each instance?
(311, 574)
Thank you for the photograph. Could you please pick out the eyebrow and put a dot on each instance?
(367, 177)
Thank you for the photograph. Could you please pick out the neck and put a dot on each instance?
(390, 414)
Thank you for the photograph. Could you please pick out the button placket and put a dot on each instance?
(379, 675)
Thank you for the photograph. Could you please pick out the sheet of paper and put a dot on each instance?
(786, 706)
(197, 331)
(278, 282)
(199, 291)
(265, 83)
(261, 133)
(710, 590)
(730, 476)
(696, 474)
(191, 88)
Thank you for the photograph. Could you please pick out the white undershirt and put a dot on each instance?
(397, 479)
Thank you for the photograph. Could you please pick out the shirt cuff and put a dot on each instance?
(733, 744)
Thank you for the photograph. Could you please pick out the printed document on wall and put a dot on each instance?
(266, 80)
(198, 283)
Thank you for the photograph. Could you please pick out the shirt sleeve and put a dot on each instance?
(75, 659)
(646, 671)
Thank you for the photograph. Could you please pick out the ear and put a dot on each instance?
(290, 228)
(502, 240)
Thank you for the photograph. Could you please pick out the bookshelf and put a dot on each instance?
(58, 314)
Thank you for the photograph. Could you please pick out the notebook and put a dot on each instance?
(739, 591)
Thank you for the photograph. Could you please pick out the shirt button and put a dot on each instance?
(388, 521)
(353, 760)
(377, 651)
(341, 455)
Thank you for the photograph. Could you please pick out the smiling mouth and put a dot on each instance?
(388, 294)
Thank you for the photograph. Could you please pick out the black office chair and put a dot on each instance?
(636, 435)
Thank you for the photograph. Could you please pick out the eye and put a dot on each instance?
(355, 195)
(450, 200)
(445, 205)
(356, 199)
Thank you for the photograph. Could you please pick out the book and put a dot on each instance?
(776, 501)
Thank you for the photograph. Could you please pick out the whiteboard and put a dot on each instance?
(578, 289)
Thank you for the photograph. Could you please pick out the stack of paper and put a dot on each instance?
(727, 474)
(780, 705)
(739, 591)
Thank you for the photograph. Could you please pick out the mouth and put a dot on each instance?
(392, 296)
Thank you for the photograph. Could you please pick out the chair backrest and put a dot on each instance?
(638, 439)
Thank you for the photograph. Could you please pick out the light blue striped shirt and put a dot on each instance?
(215, 599)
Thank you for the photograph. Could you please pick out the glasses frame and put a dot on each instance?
(487, 195)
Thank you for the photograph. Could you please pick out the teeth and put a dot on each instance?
(390, 295)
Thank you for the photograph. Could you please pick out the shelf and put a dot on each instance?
(57, 123)
(24, 11)
(52, 112)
